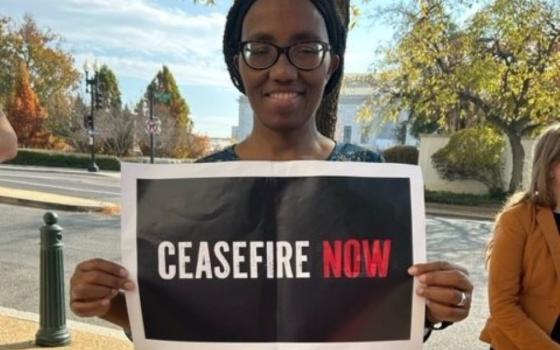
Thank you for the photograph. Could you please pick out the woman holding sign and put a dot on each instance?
(285, 56)
(524, 259)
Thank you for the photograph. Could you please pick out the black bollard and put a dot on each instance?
(52, 331)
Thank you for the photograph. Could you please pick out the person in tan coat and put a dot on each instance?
(8, 139)
(524, 260)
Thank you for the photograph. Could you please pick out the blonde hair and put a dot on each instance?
(540, 192)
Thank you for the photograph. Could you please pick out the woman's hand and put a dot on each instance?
(447, 289)
(94, 288)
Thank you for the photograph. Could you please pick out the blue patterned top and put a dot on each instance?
(342, 152)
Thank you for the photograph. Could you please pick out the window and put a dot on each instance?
(347, 137)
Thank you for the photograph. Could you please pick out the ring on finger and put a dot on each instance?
(463, 301)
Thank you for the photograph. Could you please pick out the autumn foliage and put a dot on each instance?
(26, 114)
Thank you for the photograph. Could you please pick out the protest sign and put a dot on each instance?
(273, 255)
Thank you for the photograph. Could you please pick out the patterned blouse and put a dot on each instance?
(342, 152)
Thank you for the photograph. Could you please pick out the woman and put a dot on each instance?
(8, 139)
(524, 260)
(285, 56)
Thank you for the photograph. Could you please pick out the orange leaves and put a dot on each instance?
(26, 114)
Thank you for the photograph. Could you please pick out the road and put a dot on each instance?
(88, 235)
(76, 184)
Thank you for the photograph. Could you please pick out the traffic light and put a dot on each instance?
(98, 99)
(88, 121)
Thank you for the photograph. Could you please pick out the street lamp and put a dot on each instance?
(93, 88)
(153, 124)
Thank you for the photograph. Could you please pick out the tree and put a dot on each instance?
(176, 138)
(117, 131)
(7, 54)
(502, 66)
(166, 94)
(66, 121)
(51, 69)
(518, 66)
(115, 123)
(25, 113)
(109, 88)
(50, 73)
(172, 141)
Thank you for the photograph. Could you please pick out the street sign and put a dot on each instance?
(153, 126)
(162, 97)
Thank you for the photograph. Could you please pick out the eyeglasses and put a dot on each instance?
(305, 56)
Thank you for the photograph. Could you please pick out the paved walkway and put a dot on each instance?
(462, 242)
(19, 328)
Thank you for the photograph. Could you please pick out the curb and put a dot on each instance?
(58, 202)
(462, 212)
(112, 209)
(72, 171)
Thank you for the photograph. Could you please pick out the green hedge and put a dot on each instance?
(64, 160)
(473, 154)
(464, 198)
(403, 154)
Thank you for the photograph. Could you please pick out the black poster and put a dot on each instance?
(314, 259)
(340, 288)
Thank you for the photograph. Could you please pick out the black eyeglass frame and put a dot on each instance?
(285, 50)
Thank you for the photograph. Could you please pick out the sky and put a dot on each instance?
(136, 37)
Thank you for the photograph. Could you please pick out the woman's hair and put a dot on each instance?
(546, 155)
(232, 37)
(540, 192)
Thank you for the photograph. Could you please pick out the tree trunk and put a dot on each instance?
(518, 157)
(327, 112)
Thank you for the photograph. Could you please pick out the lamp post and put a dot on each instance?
(153, 124)
(92, 87)
(152, 132)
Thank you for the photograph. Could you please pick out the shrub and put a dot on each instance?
(63, 160)
(473, 154)
(401, 154)
(445, 197)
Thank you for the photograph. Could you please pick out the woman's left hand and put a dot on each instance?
(447, 289)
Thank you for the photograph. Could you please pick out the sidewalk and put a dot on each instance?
(18, 329)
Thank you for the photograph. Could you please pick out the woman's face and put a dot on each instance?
(283, 97)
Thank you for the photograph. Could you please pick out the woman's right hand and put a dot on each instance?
(94, 285)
